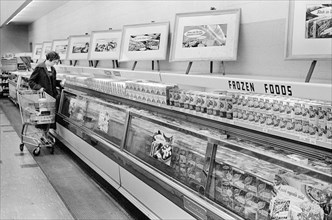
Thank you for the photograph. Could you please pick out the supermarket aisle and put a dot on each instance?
(75, 183)
(25, 190)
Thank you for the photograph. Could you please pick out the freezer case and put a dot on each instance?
(245, 177)
(207, 172)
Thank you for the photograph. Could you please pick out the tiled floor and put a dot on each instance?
(26, 192)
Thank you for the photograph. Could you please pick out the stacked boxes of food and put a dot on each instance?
(248, 186)
(243, 188)
(301, 117)
(109, 86)
(150, 92)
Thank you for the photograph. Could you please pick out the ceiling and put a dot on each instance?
(29, 11)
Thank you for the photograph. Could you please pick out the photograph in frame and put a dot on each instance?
(105, 45)
(37, 50)
(309, 30)
(47, 45)
(78, 47)
(210, 35)
(144, 41)
(60, 46)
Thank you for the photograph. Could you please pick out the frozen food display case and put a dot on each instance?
(17, 81)
(174, 165)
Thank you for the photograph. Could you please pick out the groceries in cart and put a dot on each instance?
(37, 108)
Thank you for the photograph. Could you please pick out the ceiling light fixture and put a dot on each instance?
(20, 9)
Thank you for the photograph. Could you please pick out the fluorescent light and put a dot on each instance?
(18, 11)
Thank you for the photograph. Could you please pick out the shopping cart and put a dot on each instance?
(38, 113)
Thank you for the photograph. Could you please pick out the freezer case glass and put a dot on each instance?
(176, 152)
(259, 182)
(106, 119)
(103, 118)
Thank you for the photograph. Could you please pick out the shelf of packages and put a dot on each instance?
(128, 153)
(283, 140)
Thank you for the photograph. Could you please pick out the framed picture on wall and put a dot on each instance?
(144, 42)
(60, 46)
(45, 49)
(105, 45)
(78, 47)
(210, 35)
(309, 30)
(37, 49)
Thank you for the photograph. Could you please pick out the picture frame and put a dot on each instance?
(208, 35)
(105, 45)
(308, 36)
(46, 48)
(37, 49)
(60, 46)
(144, 41)
(78, 47)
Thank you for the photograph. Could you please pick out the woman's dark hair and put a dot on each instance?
(52, 55)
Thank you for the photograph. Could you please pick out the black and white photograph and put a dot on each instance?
(319, 21)
(144, 42)
(166, 110)
(106, 45)
(78, 47)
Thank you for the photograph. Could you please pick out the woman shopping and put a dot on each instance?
(43, 78)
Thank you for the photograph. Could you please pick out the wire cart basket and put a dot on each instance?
(38, 113)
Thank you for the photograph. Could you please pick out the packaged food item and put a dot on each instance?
(238, 178)
(269, 120)
(229, 106)
(171, 96)
(223, 105)
(280, 209)
(209, 104)
(198, 102)
(186, 100)
(250, 183)
(203, 106)
(226, 172)
(224, 194)
(176, 97)
(256, 117)
(329, 122)
(250, 102)
(193, 100)
(216, 105)
(263, 210)
(251, 116)
(262, 119)
(239, 201)
(251, 206)
(264, 190)
(182, 98)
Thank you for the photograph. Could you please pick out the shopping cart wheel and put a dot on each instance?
(36, 151)
(21, 146)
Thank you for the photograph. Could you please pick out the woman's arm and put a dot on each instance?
(34, 80)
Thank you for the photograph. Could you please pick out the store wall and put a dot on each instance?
(261, 41)
(14, 39)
